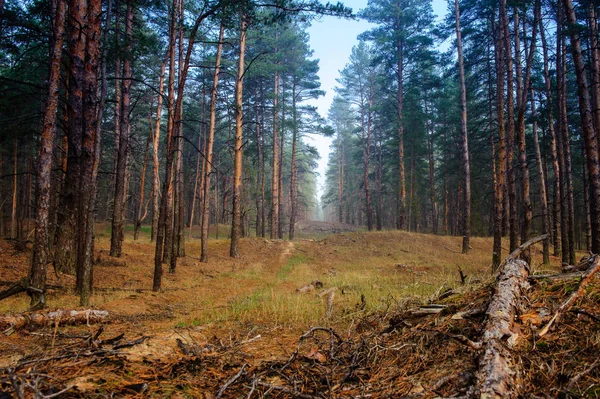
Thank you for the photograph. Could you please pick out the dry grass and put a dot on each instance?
(385, 268)
(247, 310)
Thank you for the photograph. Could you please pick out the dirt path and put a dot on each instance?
(288, 250)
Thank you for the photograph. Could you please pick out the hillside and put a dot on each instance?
(257, 327)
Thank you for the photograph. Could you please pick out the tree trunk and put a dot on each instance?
(595, 62)
(200, 164)
(234, 250)
(379, 187)
(280, 164)
(556, 209)
(568, 245)
(117, 114)
(209, 150)
(464, 138)
(401, 210)
(589, 133)
(365, 113)
(446, 199)
(155, 145)
(541, 182)
(513, 228)
(90, 155)
(161, 232)
(501, 174)
(260, 172)
(523, 90)
(340, 161)
(263, 226)
(140, 215)
(293, 171)
(15, 191)
(276, 151)
(118, 222)
(40, 253)
(586, 200)
(179, 208)
(65, 255)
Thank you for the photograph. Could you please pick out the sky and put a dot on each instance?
(332, 40)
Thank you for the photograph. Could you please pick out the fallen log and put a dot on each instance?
(498, 372)
(498, 375)
(566, 305)
(41, 319)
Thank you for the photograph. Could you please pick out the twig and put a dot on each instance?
(586, 313)
(441, 382)
(464, 340)
(330, 304)
(250, 340)
(131, 343)
(231, 381)
(57, 394)
(306, 335)
(15, 384)
(463, 277)
(585, 372)
(288, 390)
(566, 305)
(557, 276)
(515, 254)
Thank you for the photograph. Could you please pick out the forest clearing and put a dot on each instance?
(232, 328)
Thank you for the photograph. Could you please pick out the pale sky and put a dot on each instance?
(332, 40)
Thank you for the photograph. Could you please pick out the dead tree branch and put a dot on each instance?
(566, 305)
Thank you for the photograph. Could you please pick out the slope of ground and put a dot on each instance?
(240, 327)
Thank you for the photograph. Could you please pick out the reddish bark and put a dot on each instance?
(40, 254)
(209, 149)
(501, 168)
(236, 224)
(587, 126)
(464, 139)
(118, 222)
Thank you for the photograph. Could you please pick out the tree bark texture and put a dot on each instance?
(513, 226)
(556, 209)
(41, 249)
(498, 373)
(293, 168)
(236, 225)
(209, 150)
(90, 153)
(401, 206)
(541, 183)
(501, 168)
(587, 126)
(118, 222)
(155, 147)
(464, 139)
(42, 319)
(163, 220)
(65, 255)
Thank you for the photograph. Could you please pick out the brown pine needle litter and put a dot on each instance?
(246, 333)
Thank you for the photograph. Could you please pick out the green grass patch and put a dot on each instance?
(294, 261)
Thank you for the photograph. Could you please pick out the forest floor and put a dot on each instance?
(257, 327)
